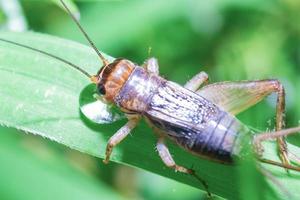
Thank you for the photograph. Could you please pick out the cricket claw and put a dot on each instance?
(106, 161)
(284, 158)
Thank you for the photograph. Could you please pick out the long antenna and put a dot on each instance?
(105, 62)
(52, 56)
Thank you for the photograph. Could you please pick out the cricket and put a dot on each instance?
(199, 117)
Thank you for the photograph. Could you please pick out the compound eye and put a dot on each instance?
(101, 89)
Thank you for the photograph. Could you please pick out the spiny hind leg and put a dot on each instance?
(280, 109)
(151, 65)
(277, 87)
(258, 139)
(119, 136)
(235, 97)
(195, 82)
(168, 160)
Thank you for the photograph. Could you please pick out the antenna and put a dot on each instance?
(105, 62)
(52, 56)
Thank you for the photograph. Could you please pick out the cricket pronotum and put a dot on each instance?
(199, 119)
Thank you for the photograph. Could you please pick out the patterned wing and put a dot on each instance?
(194, 122)
(235, 97)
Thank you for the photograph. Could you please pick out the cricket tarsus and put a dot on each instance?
(50, 55)
(274, 135)
(193, 173)
(105, 62)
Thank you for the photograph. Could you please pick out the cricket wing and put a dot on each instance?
(174, 104)
(193, 122)
(235, 97)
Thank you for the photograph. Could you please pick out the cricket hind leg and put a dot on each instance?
(235, 97)
(194, 83)
(119, 136)
(258, 139)
(280, 109)
(168, 160)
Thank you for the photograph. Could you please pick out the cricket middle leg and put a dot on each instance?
(168, 160)
(194, 83)
(166, 157)
(119, 136)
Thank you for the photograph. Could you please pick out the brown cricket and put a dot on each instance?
(201, 119)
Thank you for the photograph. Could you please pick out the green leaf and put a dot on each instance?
(23, 174)
(40, 95)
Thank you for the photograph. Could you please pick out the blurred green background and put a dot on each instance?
(229, 39)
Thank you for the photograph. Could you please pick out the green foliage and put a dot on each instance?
(230, 40)
(46, 103)
(33, 171)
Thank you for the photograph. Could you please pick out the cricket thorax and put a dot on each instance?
(113, 76)
(137, 92)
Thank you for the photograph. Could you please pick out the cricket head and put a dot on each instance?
(112, 76)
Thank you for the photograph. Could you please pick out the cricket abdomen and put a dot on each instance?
(220, 140)
(216, 140)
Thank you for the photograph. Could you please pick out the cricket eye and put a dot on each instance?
(101, 89)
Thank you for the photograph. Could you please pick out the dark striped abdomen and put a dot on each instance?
(218, 139)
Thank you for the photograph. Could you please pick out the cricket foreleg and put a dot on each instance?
(151, 65)
(258, 139)
(196, 81)
(119, 136)
(166, 157)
